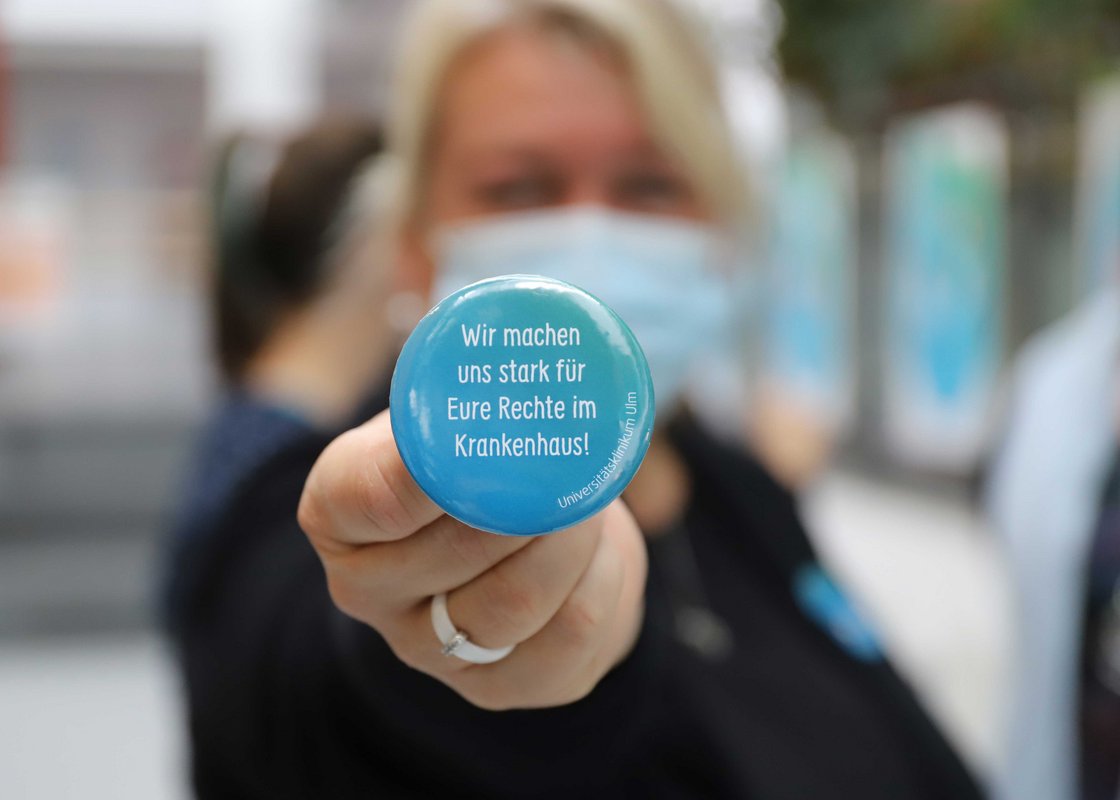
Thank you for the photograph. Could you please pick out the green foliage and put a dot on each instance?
(869, 58)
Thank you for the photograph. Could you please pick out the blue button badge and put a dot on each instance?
(522, 405)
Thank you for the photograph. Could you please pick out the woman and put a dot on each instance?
(709, 657)
(294, 274)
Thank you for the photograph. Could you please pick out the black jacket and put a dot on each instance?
(289, 698)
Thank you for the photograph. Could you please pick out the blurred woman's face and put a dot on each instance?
(531, 121)
(528, 120)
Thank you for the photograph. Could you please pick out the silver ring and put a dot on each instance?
(456, 642)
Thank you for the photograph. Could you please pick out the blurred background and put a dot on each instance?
(935, 182)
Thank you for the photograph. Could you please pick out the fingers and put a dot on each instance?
(627, 621)
(570, 601)
(396, 576)
(559, 664)
(519, 595)
(359, 492)
(503, 605)
(593, 627)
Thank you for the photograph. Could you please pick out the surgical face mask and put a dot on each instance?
(666, 278)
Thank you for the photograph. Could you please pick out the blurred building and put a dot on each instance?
(108, 112)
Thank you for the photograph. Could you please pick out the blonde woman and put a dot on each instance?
(683, 643)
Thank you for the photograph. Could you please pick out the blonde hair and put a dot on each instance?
(666, 55)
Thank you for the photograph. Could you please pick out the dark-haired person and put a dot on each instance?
(297, 287)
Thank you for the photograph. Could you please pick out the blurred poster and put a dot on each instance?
(1097, 204)
(34, 216)
(810, 296)
(944, 212)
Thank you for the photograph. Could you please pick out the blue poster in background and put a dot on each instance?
(944, 214)
(810, 294)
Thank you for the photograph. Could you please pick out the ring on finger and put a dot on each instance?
(455, 642)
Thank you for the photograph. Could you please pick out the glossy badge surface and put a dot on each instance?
(522, 405)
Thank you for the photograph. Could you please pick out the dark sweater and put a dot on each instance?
(289, 698)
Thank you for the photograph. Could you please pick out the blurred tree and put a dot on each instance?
(867, 59)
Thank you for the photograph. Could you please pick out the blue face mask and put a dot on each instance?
(666, 278)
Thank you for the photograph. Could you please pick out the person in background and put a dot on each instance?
(684, 643)
(295, 292)
(1054, 496)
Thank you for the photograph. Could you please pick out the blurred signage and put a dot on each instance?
(945, 203)
(810, 296)
(1097, 208)
(34, 216)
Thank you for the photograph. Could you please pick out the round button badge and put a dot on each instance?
(522, 405)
